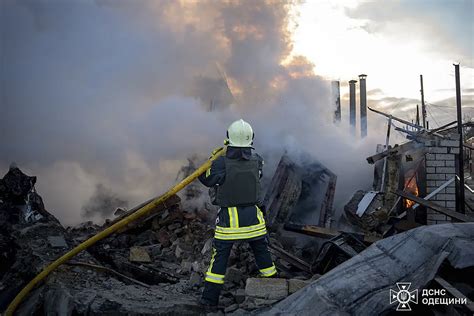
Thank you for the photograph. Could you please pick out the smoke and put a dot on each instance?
(103, 203)
(115, 94)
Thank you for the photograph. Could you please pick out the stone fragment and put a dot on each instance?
(207, 246)
(266, 288)
(239, 296)
(57, 241)
(195, 279)
(139, 254)
(295, 284)
(234, 275)
(231, 308)
(164, 238)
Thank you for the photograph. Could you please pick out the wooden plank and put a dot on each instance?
(455, 293)
(323, 232)
(436, 207)
(397, 150)
(291, 259)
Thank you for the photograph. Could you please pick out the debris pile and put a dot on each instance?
(152, 266)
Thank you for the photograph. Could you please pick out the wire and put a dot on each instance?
(429, 112)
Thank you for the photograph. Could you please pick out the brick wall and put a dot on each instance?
(440, 167)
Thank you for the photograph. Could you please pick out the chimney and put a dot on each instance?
(336, 100)
(352, 106)
(363, 106)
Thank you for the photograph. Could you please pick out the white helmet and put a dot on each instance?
(240, 134)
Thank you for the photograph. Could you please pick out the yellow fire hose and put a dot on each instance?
(106, 232)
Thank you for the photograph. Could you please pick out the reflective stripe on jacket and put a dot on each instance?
(242, 222)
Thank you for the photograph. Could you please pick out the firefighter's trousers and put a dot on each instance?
(218, 265)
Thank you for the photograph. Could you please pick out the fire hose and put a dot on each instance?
(111, 229)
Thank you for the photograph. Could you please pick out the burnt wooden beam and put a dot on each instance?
(323, 232)
(438, 208)
(397, 150)
(291, 259)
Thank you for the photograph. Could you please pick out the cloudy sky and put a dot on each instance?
(103, 98)
(393, 43)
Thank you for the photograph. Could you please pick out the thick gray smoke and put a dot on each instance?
(118, 93)
(103, 203)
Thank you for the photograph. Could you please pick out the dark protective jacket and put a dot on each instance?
(234, 180)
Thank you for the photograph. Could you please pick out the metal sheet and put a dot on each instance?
(365, 202)
(361, 285)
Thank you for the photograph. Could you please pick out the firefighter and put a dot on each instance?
(234, 180)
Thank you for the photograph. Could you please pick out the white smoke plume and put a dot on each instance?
(117, 93)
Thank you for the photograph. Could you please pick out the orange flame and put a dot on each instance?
(411, 187)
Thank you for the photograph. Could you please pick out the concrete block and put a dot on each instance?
(438, 150)
(295, 284)
(434, 176)
(431, 189)
(454, 150)
(431, 183)
(449, 143)
(446, 197)
(439, 183)
(430, 222)
(451, 204)
(431, 143)
(445, 170)
(435, 163)
(440, 203)
(450, 190)
(430, 156)
(450, 163)
(266, 288)
(430, 169)
(444, 157)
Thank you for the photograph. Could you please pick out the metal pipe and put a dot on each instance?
(363, 105)
(352, 106)
(460, 161)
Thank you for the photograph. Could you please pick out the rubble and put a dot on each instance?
(154, 266)
(266, 288)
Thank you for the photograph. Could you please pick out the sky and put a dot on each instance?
(105, 100)
(393, 43)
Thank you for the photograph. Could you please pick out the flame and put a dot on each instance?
(411, 187)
